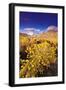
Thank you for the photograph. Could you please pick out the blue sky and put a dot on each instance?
(38, 21)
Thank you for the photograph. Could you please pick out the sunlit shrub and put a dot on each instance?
(39, 58)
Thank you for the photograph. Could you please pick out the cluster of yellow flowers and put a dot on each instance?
(39, 56)
(24, 41)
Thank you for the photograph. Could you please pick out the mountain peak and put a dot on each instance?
(52, 29)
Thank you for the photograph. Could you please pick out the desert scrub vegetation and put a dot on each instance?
(38, 58)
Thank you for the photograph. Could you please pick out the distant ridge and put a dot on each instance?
(52, 28)
(23, 34)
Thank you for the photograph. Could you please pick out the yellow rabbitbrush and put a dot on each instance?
(39, 58)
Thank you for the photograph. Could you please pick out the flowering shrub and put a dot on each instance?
(39, 58)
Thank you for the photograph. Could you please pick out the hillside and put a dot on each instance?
(52, 36)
